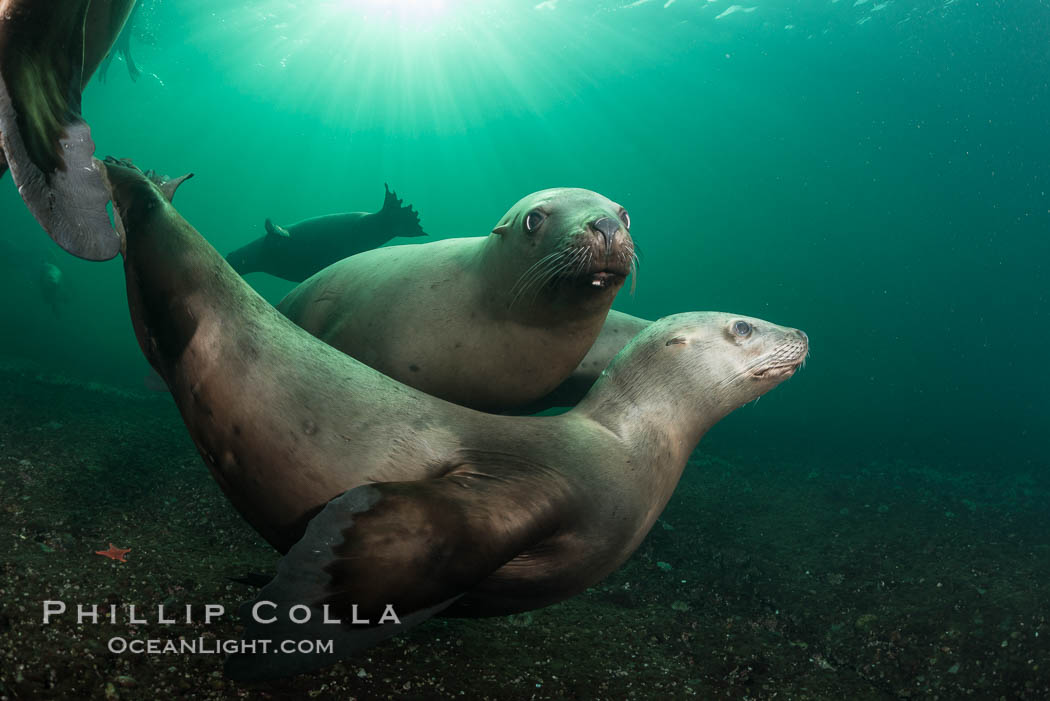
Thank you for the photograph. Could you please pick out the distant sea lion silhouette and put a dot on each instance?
(122, 47)
(48, 52)
(491, 322)
(384, 496)
(52, 288)
(298, 251)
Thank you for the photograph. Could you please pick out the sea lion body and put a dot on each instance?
(298, 251)
(400, 499)
(488, 322)
(617, 332)
(48, 52)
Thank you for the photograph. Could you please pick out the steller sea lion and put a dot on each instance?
(387, 500)
(304, 248)
(490, 322)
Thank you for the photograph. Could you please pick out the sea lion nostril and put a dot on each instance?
(608, 227)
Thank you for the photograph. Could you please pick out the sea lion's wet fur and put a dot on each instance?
(489, 322)
(398, 497)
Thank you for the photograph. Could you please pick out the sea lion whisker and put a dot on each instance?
(535, 266)
(582, 262)
(554, 273)
(537, 273)
(561, 257)
(633, 271)
(762, 359)
(783, 355)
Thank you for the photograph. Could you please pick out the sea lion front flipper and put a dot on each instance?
(48, 50)
(403, 220)
(404, 548)
(276, 232)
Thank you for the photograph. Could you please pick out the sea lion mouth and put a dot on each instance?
(781, 371)
(603, 279)
(784, 361)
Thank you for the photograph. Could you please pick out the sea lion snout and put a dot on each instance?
(788, 353)
(607, 227)
(610, 253)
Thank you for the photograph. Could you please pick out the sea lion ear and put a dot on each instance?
(501, 228)
(274, 231)
(677, 341)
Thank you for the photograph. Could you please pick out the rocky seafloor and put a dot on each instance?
(859, 579)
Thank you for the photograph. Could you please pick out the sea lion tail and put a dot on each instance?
(47, 53)
(403, 220)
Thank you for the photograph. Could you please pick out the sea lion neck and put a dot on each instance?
(632, 400)
(658, 387)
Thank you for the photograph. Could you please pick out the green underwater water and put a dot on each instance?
(875, 174)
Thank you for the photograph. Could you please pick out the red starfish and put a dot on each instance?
(115, 553)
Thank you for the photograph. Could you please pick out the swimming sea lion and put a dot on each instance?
(122, 47)
(488, 322)
(52, 288)
(398, 499)
(48, 52)
(300, 250)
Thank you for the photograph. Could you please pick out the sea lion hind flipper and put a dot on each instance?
(394, 554)
(403, 220)
(122, 172)
(167, 185)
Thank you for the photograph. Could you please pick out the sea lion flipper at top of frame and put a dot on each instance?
(394, 554)
(48, 52)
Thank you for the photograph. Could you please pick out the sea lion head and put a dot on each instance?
(732, 359)
(575, 241)
(136, 195)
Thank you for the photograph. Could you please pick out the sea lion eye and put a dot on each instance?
(742, 328)
(626, 219)
(533, 220)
